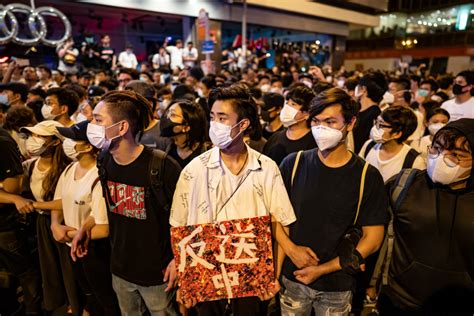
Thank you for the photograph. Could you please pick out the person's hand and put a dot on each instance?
(188, 303)
(316, 72)
(170, 276)
(80, 244)
(268, 293)
(12, 65)
(309, 274)
(60, 232)
(23, 206)
(302, 256)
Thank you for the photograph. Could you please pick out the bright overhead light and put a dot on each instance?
(424, 23)
(435, 25)
(430, 24)
(419, 22)
(415, 41)
(403, 43)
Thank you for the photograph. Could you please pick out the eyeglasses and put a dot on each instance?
(451, 160)
(380, 125)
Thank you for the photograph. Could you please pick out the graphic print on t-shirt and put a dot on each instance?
(129, 200)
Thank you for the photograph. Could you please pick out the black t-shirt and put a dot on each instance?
(325, 203)
(267, 134)
(106, 56)
(279, 145)
(172, 151)
(10, 166)
(138, 224)
(364, 125)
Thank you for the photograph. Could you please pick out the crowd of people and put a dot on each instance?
(354, 168)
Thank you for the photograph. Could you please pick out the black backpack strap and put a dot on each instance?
(96, 181)
(368, 148)
(156, 169)
(410, 159)
(102, 160)
(400, 186)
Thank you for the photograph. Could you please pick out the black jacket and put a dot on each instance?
(434, 238)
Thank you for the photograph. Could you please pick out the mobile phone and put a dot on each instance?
(22, 62)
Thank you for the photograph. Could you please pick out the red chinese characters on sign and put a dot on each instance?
(227, 259)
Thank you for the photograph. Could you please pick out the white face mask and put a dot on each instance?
(164, 105)
(388, 98)
(308, 83)
(276, 90)
(326, 137)
(46, 112)
(265, 88)
(358, 92)
(287, 115)
(434, 128)
(340, 83)
(35, 146)
(376, 134)
(440, 172)
(81, 118)
(96, 136)
(220, 134)
(200, 93)
(69, 148)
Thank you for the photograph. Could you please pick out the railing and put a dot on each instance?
(465, 38)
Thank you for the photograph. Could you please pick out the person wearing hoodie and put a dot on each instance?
(432, 264)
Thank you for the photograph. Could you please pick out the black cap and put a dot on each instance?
(95, 91)
(75, 132)
(16, 87)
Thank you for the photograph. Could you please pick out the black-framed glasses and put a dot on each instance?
(379, 124)
(451, 160)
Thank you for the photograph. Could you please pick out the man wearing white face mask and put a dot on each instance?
(432, 260)
(222, 181)
(137, 194)
(369, 92)
(297, 134)
(386, 149)
(59, 105)
(329, 197)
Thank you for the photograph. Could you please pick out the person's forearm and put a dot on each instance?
(100, 231)
(281, 234)
(56, 217)
(49, 205)
(88, 224)
(371, 240)
(279, 259)
(7, 198)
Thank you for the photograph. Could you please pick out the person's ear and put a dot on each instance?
(351, 124)
(124, 127)
(186, 129)
(244, 124)
(64, 109)
(396, 135)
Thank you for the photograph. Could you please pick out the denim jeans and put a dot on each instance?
(298, 300)
(135, 299)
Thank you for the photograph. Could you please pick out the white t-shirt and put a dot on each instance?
(77, 199)
(36, 179)
(393, 166)
(176, 56)
(128, 60)
(420, 128)
(160, 60)
(421, 146)
(205, 185)
(459, 110)
(190, 53)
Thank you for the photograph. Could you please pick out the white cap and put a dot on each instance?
(44, 128)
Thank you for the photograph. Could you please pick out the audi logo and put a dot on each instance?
(36, 25)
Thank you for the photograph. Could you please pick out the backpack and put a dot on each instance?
(402, 182)
(155, 172)
(409, 158)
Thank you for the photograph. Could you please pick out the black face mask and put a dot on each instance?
(167, 127)
(457, 89)
(266, 116)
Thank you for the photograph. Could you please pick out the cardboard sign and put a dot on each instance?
(223, 260)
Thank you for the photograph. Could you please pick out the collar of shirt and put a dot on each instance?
(215, 159)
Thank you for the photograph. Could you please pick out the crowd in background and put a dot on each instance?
(389, 119)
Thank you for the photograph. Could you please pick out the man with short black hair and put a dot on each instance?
(60, 105)
(176, 54)
(232, 181)
(294, 116)
(190, 55)
(126, 75)
(462, 106)
(45, 78)
(386, 150)
(270, 113)
(138, 198)
(341, 207)
(13, 94)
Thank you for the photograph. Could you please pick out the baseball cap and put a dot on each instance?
(44, 128)
(75, 132)
(95, 91)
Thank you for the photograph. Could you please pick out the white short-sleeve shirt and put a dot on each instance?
(205, 186)
(81, 198)
(392, 166)
(459, 110)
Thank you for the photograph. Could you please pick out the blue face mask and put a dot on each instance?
(422, 92)
(4, 99)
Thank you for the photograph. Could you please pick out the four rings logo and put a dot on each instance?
(36, 25)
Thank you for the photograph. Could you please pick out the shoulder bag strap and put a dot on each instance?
(295, 166)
